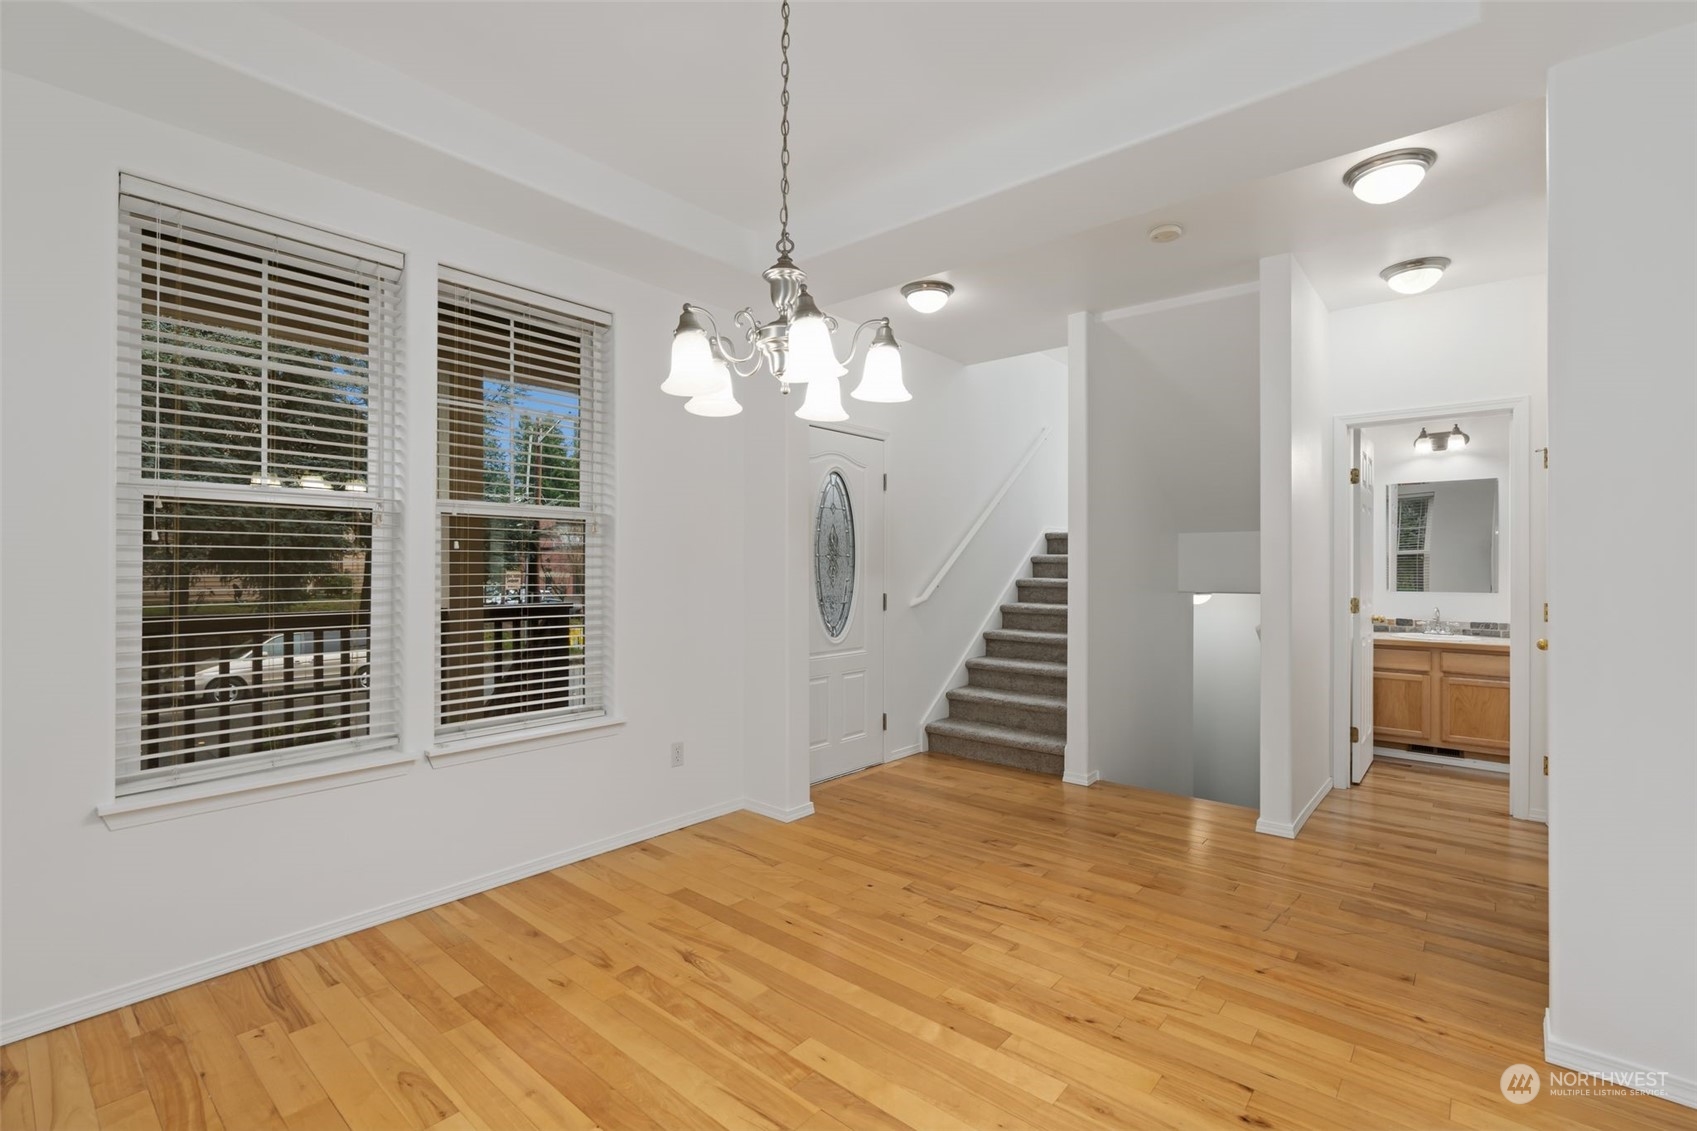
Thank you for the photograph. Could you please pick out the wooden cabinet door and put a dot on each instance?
(1473, 712)
(1402, 705)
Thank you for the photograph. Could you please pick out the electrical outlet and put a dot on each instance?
(677, 753)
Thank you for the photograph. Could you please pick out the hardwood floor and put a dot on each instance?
(945, 945)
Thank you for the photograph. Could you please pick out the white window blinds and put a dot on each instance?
(525, 497)
(258, 433)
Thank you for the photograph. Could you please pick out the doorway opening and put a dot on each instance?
(1434, 547)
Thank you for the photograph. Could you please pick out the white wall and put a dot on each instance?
(1220, 562)
(1136, 668)
(91, 911)
(1296, 559)
(949, 452)
(1395, 461)
(1623, 536)
(1226, 681)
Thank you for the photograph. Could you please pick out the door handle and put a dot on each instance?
(1543, 645)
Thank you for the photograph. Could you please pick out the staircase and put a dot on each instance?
(1013, 709)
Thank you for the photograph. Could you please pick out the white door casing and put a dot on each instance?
(845, 666)
(1361, 749)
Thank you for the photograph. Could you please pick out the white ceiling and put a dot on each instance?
(1482, 206)
(684, 96)
(1019, 149)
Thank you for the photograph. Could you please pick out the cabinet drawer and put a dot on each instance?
(1397, 658)
(1475, 663)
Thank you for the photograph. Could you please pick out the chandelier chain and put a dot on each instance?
(785, 243)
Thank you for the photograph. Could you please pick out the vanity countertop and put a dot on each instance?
(1436, 640)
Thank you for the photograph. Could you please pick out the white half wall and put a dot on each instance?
(1296, 558)
(94, 916)
(1226, 677)
(1623, 537)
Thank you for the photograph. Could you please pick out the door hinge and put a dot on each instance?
(1354, 734)
(886, 481)
(886, 602)
(1546, 612)
(886, 721)
(1546, 452)
(1355, 475)
(1546, 765)
(1355, 604)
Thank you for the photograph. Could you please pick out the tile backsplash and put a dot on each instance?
(1487, 628)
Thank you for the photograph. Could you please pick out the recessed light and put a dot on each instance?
(1201, 598)
(928, 295)
(1412, 276)
(1165, 233)
(1390, 176)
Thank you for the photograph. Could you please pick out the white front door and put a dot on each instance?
(1365, 569)
(846, 641)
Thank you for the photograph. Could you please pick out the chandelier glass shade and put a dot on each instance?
(795, 346)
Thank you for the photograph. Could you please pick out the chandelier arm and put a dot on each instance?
(719, 339)
(754, 366)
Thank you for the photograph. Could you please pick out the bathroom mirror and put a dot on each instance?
(1442, 537)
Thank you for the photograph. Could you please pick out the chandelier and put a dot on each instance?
(795, 347)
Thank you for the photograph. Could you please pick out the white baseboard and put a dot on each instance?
(1560, 1053)
(1476, 765)
(1087, 779)
(794, 813)
(904, 752)
(41, 1020)
(1289, 831)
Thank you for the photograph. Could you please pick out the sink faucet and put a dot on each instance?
(1436, 624)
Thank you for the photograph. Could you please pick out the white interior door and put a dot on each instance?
(1366, 575)
(846, 640)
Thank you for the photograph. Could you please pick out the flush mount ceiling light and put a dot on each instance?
(1412, 276)
(1165, 233)
(928, 296)
(1386, 177)
(795, 347)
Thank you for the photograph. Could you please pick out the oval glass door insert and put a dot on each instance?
(833, 555)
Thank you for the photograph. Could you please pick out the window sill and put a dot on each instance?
(248, 789)
(481, 747)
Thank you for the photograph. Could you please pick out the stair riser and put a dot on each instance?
(1051, 764)
(1057, 543)
(1034, 620)
(1050, 653)
(1023, 682)
(1033, 719)
(1049, 569)
(1042, 594)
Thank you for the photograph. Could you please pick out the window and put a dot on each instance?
(257, 491)
(524, 493)
(1413, 557)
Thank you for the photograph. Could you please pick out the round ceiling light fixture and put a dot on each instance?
(1165, 233)
(1201, 598)
(928, 296)
(1412, 276)
(1385, 177)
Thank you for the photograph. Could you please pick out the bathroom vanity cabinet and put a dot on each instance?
(1442, 692)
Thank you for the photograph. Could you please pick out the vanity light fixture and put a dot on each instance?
(928, 296)
(1412, 276)
(1453, 440)
(1424, 443)
(1389, 176)
(1457, 439)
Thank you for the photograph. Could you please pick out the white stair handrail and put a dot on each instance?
(924, 595)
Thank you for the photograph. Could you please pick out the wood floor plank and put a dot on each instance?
(943, 944)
